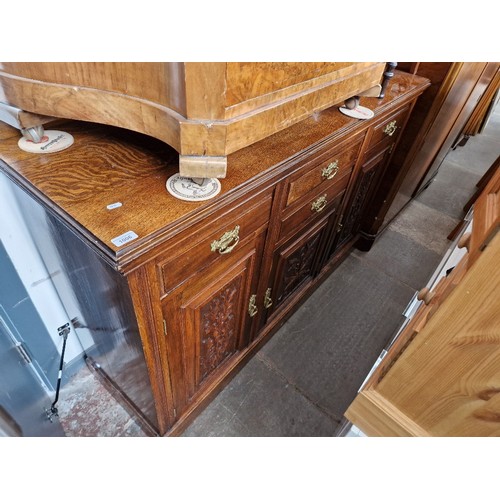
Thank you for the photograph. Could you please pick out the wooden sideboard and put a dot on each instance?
(205, 111)
(190, 291)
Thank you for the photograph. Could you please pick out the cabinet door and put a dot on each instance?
(350, 221)
(295, 263)
(209, 319)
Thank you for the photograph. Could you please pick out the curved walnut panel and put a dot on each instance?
(205, 111)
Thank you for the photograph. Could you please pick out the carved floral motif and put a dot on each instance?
(218, 328)
(299, 266)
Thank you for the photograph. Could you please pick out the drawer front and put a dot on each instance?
(234, 229)
(325, 170)
(320, 205)
(388, 130)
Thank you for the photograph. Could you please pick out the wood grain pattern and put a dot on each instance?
(92, 105)
(304, 215)
(486, 216)
(185, 104)
(480, 80)
(192, 342)
(256, 85)
(148, 209)
(476, 119)
(193, 247)
(445, 380)
(443, 397)
(141, 281)
(159, 82)
(248, 80)
(187, 308)
(425, 110)
(372, 409)
(205, 91)
(344, 157)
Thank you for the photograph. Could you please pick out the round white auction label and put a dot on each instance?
(52, 142)
(193, 189)
(359, 112)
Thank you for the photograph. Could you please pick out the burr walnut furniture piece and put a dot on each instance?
(178, 295)
(441, 377)
(205, 111)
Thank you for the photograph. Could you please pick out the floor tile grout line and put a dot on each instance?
(269, 364)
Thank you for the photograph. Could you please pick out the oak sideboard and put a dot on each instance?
(177, 295)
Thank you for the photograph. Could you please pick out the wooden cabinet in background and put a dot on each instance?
(207, 282)
(455, 93)
(440, 375)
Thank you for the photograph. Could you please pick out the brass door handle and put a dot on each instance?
(225, 243)
(331, 171)
(390, 128)
(252, 308)
(319, 204)
(268, 302)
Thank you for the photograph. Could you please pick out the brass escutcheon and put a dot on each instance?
(252, 308)
(223, 244)
(331, 171)
(390, 128)
(319, 204)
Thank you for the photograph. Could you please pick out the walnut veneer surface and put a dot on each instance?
(205, 111)
(103, 165)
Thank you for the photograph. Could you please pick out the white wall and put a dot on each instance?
(31, 269)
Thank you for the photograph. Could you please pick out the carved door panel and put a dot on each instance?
(209, 319)
(350, 221)
(295, 263)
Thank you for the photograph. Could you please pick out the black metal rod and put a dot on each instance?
(59, 376)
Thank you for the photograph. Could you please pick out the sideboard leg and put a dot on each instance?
(30, 124)
(34, 134)
(203, 166)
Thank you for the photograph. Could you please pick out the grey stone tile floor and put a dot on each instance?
(302, 381)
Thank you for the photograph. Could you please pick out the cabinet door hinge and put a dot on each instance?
(339, 224)
(268, 302)
(164, 327)
(252, 308)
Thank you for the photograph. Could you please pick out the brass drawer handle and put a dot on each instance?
(319, 204)
(390, 128)
(268, 302)
(331, 171)
(252, 308)
(223, 244)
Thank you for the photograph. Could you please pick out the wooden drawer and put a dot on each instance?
(234, 229)
(388, 130)
(325, 169)
(316, 206)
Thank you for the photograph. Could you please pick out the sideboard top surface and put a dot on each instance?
(108, 165)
